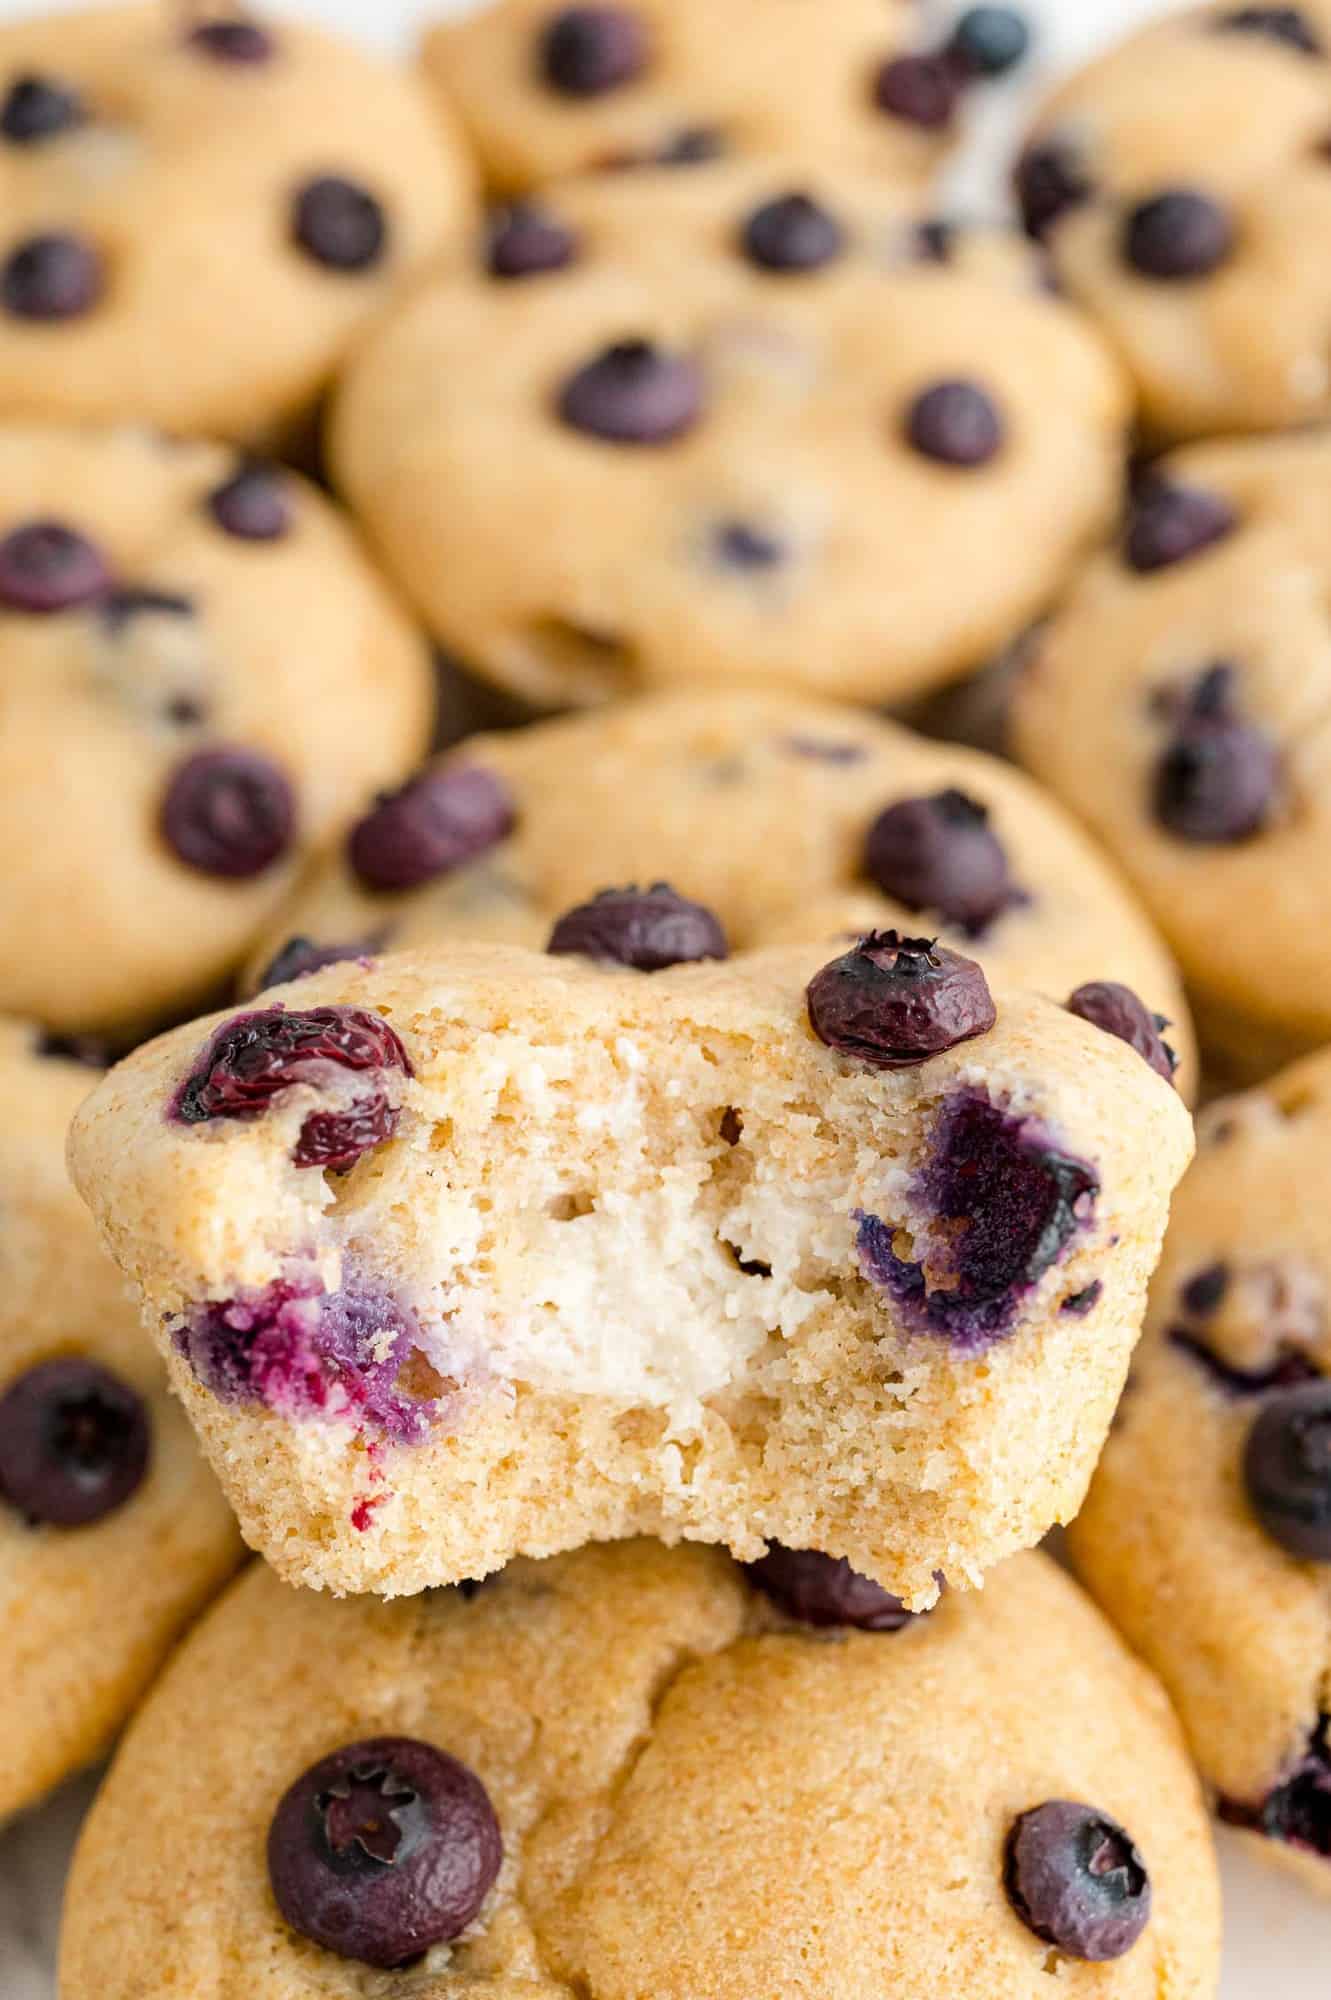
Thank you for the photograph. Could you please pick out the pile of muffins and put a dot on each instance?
(627, 1172)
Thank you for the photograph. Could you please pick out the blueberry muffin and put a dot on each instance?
(1183, 185)
(463, 1255)
(1207, 1534)
(544, 90)
(752, 426)
(636, 1772)
(1179, 701)
(202, 209)
(199, 675)
(113, 1533)
(795, 821)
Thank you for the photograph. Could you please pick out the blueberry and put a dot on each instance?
(254, 504)
(1216, 781)
(793, 232)
(46, 567)
(587, 51)
(307, 1354)
(382, 1849)
(1169, 524)
(1289, 25)
(646, 929)
(993, 1208)
(340, 224)
(1297, 1811)
(228, 813)
(742, 545)
(921, 90)
(37, 108)
(940, 854)
(74, 1443)
(437, 821)
(825, 1590)
(1287, 1469)
(232, 41)
(989, 41)
(1116, 1009)
(253, 1058)
(1204, 1293)
(633, 393)
(955, 423)
(894, 1002)
(300, 956)
(52, 277)
(1051, 181)
(1178, 234)
(525, 240)
(1075, 1878)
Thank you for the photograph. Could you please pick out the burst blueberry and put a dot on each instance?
(894, 1001)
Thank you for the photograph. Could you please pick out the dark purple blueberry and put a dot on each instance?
(1050, 181)
(254, 1058)
(382, 1849)
(633, 393)
(52, 277)
(825, 1590)
(921, 90)
(526, 239)
(45, 566)
(742, 545)
(893, 1002)
(300, 956)
(646, 929)
(307, 1354)
(1287, 1469)
(940, 854)
(88, 1050)
(989, 41)
(232, 41)
(1216, 780)
(1204, 1293)
(1115, 1008)
(994, 1206)
(1289, 25)
(74, 1443)
(119, 608)
(1078, 1304)
(229, 813)
(437, 821)
(1298, 1810)
(38, 108)
(955, 423)
(587, 51)
(340, 224)
(254, 504)
(1177, 235)
(793, 232)
(1168, 524)
(1075, 1878)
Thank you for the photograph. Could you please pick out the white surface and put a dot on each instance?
(1278, 1938)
